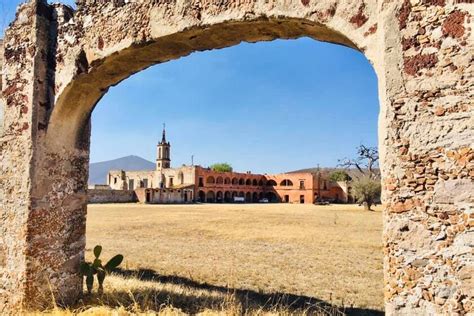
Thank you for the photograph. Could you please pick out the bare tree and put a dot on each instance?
(366, 162)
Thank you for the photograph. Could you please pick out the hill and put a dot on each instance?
(98, 171)
(353, 173)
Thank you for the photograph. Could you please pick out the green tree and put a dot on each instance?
(221, 167)
(367, 192)
(339, 175)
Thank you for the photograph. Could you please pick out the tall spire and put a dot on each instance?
(163, 159)
(163, 139)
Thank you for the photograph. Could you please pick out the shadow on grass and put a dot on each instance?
(220, 297)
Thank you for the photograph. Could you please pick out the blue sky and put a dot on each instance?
(265, 107)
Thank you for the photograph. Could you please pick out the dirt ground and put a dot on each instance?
(306, 252)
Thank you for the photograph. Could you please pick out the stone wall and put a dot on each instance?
(429, 153)
(165, 196)
(58, 63)
(111, 196)
(2, 102)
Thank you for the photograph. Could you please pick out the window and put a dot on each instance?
(115, 180)
(131, 184)
(301, 184)
(271, 183)
(286, 183)
(201, 182)
(171, 183)
(145, 183)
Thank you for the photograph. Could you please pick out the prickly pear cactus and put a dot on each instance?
(88, 270)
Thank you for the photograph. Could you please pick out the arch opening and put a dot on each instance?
(217, 196)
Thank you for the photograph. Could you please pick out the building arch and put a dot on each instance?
(241, 181)
(248, 197)
(286, 183)
(210, 180)
(201, 196)
(261, 183)
(227, 197)
(254, 182)
(235, 181)
(271, 183)
(227, 180)
(219, 197)
(272, 197)
(248, 182)
(210, 197)
(162, 181)
(220, 180)
(181, 177)
(255, 197)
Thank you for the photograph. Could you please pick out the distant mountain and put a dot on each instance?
(98, 171)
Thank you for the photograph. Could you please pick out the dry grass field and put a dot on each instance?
(238, 259)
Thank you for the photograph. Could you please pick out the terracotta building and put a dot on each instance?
(188, 184)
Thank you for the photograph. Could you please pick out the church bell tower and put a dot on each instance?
(163, 160)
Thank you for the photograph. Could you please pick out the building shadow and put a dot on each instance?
(248, 300)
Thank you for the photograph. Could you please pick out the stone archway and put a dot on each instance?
(248, 197)
(210, 197)
(202, 196)
(255, 197)
(227, 197)
(220, 197)
(59, 63)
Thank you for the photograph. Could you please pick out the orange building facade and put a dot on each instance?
(188, 184)
(222, 187)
